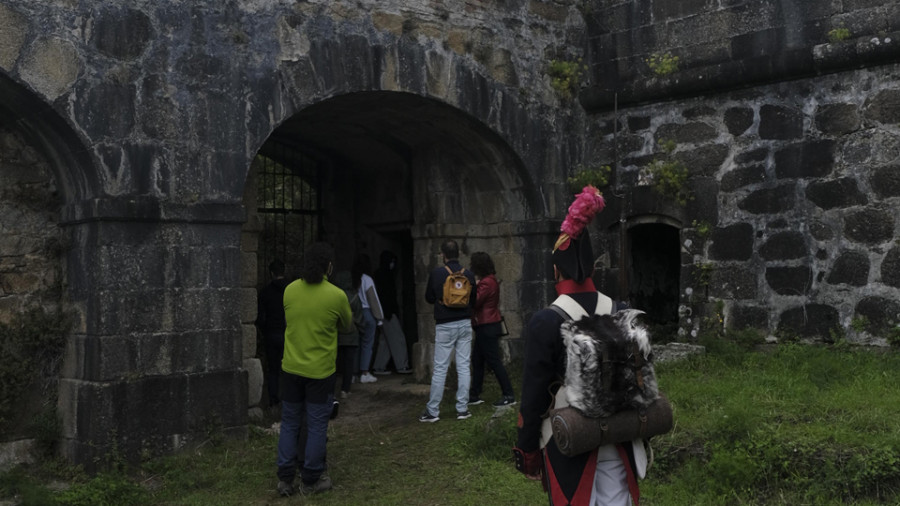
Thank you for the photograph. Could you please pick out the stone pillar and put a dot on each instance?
(155, 360)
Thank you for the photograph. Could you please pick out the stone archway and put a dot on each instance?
(402, 172)
(42, 167)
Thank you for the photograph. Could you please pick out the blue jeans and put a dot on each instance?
(367, 340)
(447, 337)
(306, 406)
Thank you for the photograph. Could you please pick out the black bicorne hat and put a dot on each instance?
(572, 253)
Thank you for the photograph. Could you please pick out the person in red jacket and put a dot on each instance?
(487, 327)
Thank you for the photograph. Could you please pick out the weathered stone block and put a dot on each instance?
(733, 283)
(156, 401)
(704, 206)
(805, 159)
(754, 155)
(107, 96)
(210, 402)
(784, 246)
(843, 192)
(51, 67)
(789, 280)
(883, 107)
(810, 320)
(254, 381)
(703, 161)
(121, 33)
(890, 268)
(870, 226)
(13, 28)
(734, 242)
(820, 231)
(851, 268)
(780, 123)
(885, 181)
(738, 120)
(837, 119)
(881, 313)
(743, 176)
(685, 133)
(638, 123)
(747, 316)
(770, 200)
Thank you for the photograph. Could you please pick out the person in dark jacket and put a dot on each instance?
(392, 341)
(605, 476)
(487, 327)
(271, 324)
(453, 331)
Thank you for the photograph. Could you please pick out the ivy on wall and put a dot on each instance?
(31, 349)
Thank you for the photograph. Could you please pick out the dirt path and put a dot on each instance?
(386, 400)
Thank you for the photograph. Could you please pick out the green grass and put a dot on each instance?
(794, 425)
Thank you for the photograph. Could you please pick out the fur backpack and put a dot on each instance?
(609, 364)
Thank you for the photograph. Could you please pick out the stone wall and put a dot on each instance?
(793, 221)
(731, 44)
(30, 240)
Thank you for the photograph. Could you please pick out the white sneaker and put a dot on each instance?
(367, 378)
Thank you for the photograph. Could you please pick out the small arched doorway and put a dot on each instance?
(654, 271)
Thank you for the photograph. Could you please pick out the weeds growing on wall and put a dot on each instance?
(669, 175)
(838, 35)
(31, 347)
(662, 64)
(596, 176)
(565, 76)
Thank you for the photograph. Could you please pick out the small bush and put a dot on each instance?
(662, 64)
(598, 177)
(565, 76)
(838, 35)
(670, 176)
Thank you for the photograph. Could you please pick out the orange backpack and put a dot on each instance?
(457, 289)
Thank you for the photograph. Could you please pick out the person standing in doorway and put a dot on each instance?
(372, 314)
(270, 322)
(487, 327)
(392, 343)
(315, 311)
(453, 331)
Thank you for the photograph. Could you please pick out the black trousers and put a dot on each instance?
(486, 352)
(274, 343)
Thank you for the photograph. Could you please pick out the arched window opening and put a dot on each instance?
(289, 200)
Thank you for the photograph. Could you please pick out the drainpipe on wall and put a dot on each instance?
(623, 278)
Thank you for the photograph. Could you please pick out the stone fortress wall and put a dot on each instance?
(137, 123)
(786, 114)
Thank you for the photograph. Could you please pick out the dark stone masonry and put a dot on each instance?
(141, 144)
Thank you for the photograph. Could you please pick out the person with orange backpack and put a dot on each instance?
(451, 288)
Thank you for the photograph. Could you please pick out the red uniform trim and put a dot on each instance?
(632, 479)
(582, 495)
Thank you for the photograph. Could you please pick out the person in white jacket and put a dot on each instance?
(372, 314)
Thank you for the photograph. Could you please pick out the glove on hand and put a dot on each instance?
(529, 463)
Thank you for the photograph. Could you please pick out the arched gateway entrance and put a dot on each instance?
(388, 171)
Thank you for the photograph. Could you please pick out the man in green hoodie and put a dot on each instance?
(315, 310)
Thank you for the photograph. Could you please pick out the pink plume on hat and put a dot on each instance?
(587, 204)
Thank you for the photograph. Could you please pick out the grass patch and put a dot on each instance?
(794, 425)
